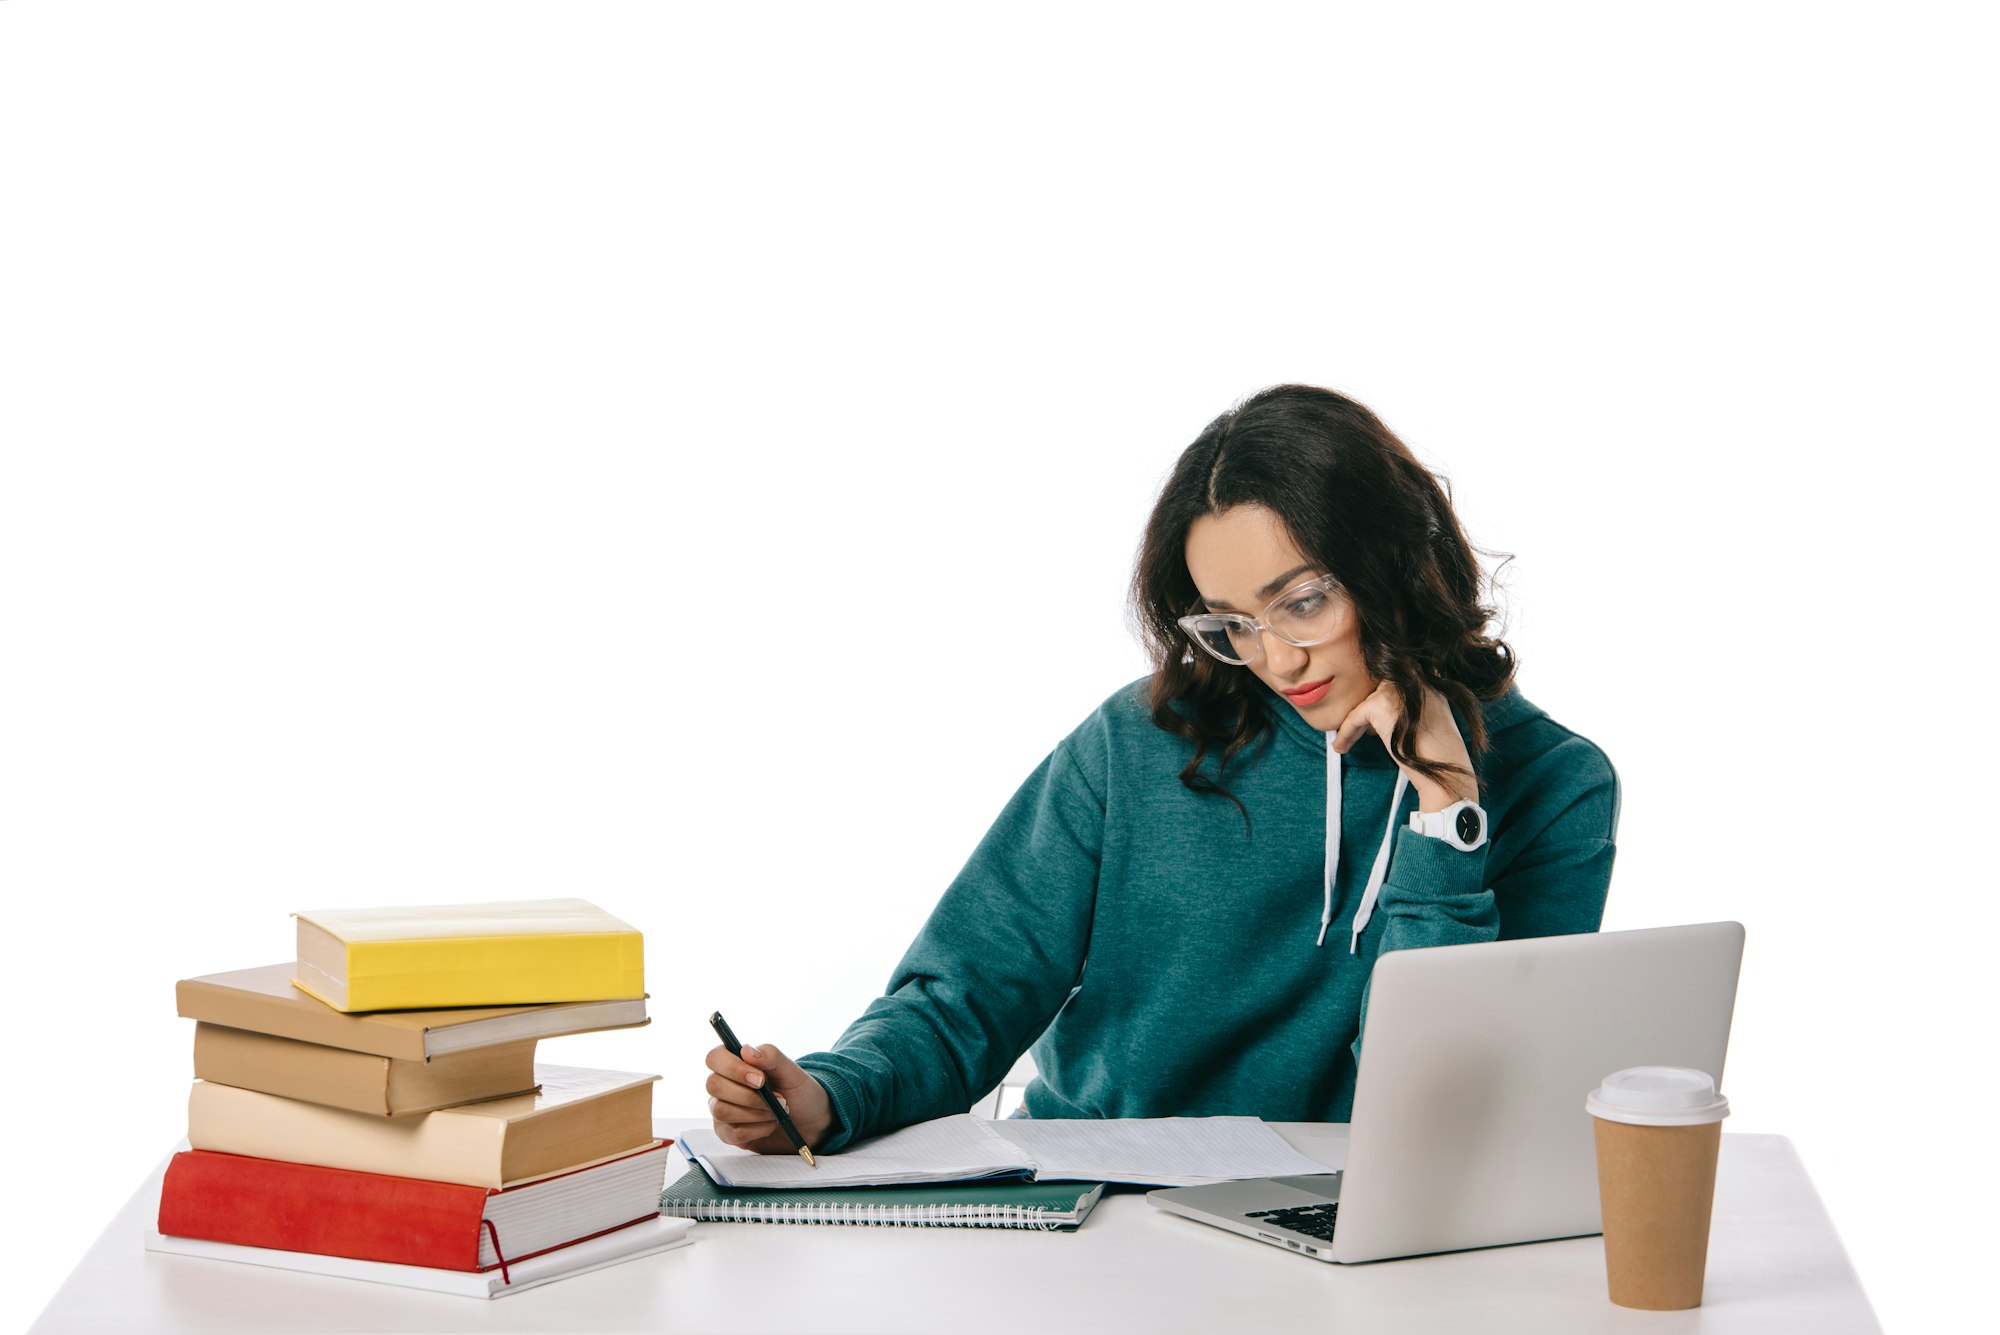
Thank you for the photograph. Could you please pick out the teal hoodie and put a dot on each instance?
(1170, 959)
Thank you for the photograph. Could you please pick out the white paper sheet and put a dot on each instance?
(1158, 1151)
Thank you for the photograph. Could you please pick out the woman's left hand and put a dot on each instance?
(1437, 740)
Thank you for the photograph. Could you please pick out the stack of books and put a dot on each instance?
(374, 1108)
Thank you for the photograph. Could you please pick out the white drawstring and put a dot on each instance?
(1381, 867)
(1332, 833)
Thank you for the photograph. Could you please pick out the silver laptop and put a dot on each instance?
(1468, 1125)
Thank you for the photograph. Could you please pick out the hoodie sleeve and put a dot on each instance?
(997, 959)
(1544, 871)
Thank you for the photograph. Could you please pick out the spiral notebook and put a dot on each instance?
(1050, 1206)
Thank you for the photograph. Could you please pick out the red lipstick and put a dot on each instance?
(1310, 694)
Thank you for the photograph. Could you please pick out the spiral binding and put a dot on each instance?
(888, 1216)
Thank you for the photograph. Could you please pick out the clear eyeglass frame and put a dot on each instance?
(1200, 626)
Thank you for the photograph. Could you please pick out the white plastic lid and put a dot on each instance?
(1658, 1096)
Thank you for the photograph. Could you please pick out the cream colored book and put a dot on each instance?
(508, 953)
(578, 1258)
(578, 1116)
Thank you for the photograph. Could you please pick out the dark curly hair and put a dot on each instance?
(1356, 501)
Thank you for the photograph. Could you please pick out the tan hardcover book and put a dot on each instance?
(361, 1081)
(265, 1001)
(579, 1116)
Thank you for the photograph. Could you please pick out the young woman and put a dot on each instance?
(1180, 907)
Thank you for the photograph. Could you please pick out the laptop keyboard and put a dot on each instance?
(1315, 1221)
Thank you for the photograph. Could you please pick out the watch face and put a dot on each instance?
(1468, 825)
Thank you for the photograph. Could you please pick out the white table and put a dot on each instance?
(1775, 1263)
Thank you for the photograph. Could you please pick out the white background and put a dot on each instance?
(693, 462)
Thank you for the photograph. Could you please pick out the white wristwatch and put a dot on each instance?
(1462, 825)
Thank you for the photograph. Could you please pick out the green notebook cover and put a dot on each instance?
(1011, 1203)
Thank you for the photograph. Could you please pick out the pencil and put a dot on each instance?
(771, 1100)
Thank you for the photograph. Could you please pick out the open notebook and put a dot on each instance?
(1152, 1151)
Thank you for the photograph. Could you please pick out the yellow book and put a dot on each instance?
(512, 953)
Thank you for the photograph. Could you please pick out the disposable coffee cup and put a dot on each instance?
(1658, 1131)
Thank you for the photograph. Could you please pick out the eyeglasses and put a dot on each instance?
(1304, 615)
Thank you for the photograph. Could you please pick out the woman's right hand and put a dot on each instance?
(738, 1111)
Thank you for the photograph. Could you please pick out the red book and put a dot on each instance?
(404, 1220)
